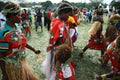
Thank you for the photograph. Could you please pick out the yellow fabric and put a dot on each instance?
(104, 77)
(71, 19)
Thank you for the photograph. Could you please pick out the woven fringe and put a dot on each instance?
(21, 72)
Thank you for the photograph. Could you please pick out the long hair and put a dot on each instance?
(95, 27)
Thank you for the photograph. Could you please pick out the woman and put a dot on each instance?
(12, 47)
(58, 35)
(96, 40)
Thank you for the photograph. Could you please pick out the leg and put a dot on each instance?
(41, 26)
(49, 24)
(2, 66)
(105, 76)
(85, 48)
(36, 26)
(102, 53)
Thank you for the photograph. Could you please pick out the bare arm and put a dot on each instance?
(34, 50)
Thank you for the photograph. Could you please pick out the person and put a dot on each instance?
(112, 55)
(75, 22)
(64, 68)
(30, 17)
(13, 62)
(71, 26)
(49, 16)
(58, 35)
(27, 29)
(38, 20)
(96, 40)
(111, 31)
(89, 16)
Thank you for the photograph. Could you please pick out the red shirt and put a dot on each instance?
(58, 30)
(49, 14)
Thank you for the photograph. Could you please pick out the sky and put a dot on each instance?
(57, 1)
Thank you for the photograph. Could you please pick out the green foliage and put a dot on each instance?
(2, 5)
(47, 5)
(115, 4)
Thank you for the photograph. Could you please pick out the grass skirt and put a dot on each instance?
(20, 72)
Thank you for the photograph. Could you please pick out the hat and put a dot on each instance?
(64, 7)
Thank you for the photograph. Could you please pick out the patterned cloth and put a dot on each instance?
(113, 57)
(96, 42)
(15, 38)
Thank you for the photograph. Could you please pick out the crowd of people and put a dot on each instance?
(62, 25)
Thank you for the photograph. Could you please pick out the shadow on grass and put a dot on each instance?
(88, 67)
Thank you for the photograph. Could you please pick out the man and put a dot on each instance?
(58, 35)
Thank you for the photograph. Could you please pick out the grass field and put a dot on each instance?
(87, 68)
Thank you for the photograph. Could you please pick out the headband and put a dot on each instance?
(11, 10)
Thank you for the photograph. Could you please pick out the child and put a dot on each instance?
(27, 28)
(96, 40)
(64, 68)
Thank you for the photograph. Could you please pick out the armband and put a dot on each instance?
(103, 77)
(4, 46)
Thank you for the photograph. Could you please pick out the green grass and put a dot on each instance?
(87, 68)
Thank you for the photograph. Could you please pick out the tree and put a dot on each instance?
(95, 3)
(115, 4)
(47, 5)
(2, 5)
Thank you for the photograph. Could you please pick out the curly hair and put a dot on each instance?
(63, 53)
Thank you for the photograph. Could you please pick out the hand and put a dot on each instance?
(37, 51)
(98, 78)
(49, 48)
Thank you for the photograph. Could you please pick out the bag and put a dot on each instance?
(4, 46)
